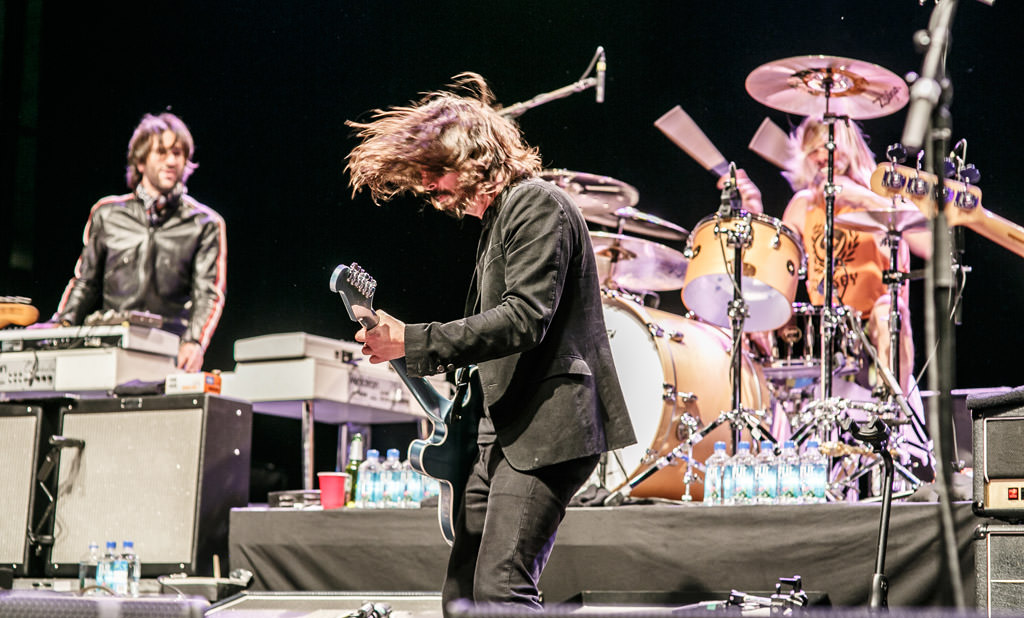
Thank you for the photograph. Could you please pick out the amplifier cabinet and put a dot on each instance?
(21, 434)
(998, 432)
(163, 472)
(999, 558)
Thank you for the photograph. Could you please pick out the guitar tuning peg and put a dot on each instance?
(896, 153)
(970, 174)
(948, 168)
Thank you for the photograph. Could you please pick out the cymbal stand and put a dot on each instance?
(828, 316)
(894, 279)
(739, 237)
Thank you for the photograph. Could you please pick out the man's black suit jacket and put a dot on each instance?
(539, 338)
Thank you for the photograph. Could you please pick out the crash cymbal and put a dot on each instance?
(884, 220)
(856, 89)
(592, 193)
(637, 264)
(638, 222)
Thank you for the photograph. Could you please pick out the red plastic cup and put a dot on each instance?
(333, 489)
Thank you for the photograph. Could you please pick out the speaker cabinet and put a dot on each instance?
(21, 431)
(999, 558)
(998, 428)
(163, 472)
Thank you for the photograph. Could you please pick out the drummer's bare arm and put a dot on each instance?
(920, 243)
(795, 215)
(749, 192)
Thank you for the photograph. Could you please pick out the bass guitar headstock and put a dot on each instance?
(917, 186)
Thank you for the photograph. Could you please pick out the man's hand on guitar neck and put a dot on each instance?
(385, 341)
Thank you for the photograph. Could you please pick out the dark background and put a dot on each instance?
(266, 87)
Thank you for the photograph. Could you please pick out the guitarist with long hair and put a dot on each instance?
(534, 326)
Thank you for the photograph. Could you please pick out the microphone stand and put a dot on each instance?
(929, 115)
(876, 434)
(518, 109)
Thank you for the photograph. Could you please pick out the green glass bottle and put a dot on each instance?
(355, 457)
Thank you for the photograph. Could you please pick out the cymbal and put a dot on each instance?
(884, 220)
(856, 89)
(638, 264)
(593, 193)
(638, 222)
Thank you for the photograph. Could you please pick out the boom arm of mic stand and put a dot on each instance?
(518, 109)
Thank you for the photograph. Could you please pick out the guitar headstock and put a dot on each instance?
(356, 288)
(894, 180)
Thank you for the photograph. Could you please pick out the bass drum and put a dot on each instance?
(671, 369)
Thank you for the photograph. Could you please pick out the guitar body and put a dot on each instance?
(450, 451)
(22, 314)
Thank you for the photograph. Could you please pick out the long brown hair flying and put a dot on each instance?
(454, 130)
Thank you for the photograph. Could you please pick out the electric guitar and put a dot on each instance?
(963, 203)
(449, 452)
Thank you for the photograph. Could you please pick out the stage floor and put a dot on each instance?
(660, 549)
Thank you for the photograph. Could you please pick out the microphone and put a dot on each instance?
(365, 611)
(62, 442)
(601, 68)
(730, 199)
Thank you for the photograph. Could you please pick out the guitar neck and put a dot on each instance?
(433, 403)
(999, 230)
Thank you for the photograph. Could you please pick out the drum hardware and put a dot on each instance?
(637, 264)
(739, 237)
(774, 263)
(672, 369)
(629, 219)
(671, 394)
(851, 89)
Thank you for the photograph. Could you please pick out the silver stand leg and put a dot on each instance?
(307, 444)
(341, 458)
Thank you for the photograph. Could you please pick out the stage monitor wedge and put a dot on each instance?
(163, 472)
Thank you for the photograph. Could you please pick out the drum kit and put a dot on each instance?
(738, 274)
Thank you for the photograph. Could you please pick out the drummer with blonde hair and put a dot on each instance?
(860, 257)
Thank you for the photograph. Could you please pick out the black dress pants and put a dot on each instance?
(506, 528)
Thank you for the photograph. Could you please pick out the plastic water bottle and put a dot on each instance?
(133, 567)
(813, 474)
(112, 571)
(713, 468)
(393, 483)
(369, 488)
(87, 568)
(789, 474)
(413, 486)
(743, 474)
(766, 475)
(355, 458)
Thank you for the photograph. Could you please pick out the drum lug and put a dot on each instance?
(669, 393)
(777, 239)
(655, 330)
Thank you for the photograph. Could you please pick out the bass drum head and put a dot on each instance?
(658, 353)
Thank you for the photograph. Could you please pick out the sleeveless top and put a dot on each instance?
(859, 264)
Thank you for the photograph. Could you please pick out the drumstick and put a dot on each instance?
(684, 132)
(771, 143)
